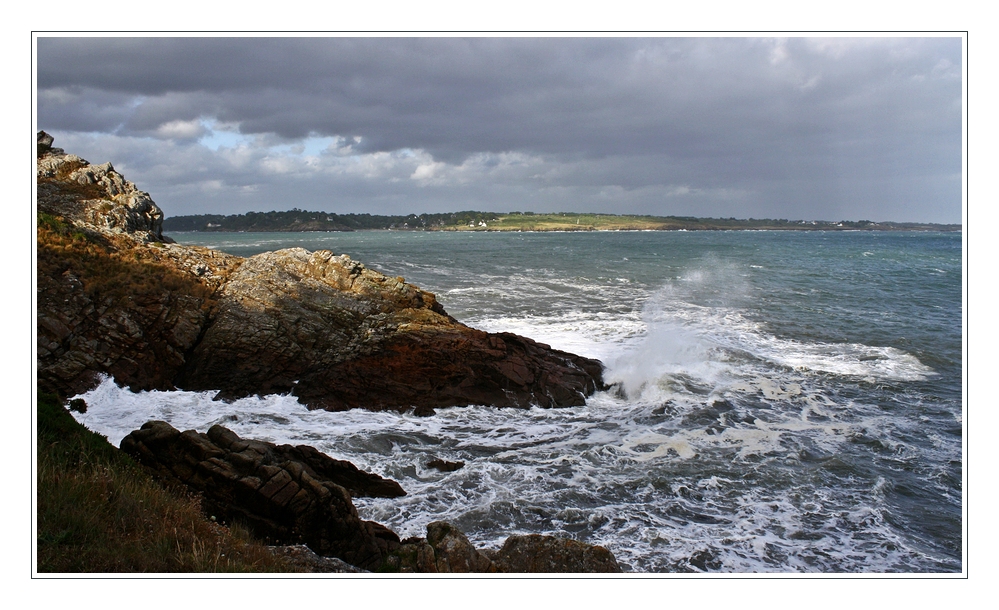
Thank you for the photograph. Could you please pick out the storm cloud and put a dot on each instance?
(800, 128)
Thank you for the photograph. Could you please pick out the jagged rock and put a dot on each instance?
(445, 550)
(338, 335)
(45, 144)
(94, 197)
(535, 553)
(453, 552)
(133, 312)
(284, 494)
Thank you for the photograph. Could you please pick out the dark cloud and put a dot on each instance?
(818, 126)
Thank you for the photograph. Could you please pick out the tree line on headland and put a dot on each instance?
(296, 220)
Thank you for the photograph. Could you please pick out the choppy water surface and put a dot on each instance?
(786, 402)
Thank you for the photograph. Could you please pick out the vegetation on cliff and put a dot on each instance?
(98, 511)
(302, 220)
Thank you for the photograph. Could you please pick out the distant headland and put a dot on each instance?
(296, 220)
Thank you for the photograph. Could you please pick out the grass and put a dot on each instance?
(98, 511)
(108, 270)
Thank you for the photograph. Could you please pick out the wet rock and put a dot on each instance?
(453, 552)
(548, 554)
(445, 550)
(444, 465)
(284, 494)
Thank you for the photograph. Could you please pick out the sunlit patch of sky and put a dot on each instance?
(220, 135)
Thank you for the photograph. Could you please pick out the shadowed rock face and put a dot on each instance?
(447, 549)
(286, 494)
(116, 297)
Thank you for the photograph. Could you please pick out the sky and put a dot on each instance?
(838, 128)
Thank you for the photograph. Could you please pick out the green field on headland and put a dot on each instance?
(300, 220)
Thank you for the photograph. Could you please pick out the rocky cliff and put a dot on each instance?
(116, 297)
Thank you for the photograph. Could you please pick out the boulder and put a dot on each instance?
(285, 494)
(535, 553)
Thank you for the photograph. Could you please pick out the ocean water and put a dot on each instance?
(783, 402)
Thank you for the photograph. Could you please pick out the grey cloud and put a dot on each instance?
(762, 116)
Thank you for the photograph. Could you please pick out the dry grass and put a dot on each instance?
(106, 269)
(98, 511)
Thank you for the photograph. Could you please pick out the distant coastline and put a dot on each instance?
(296, 220)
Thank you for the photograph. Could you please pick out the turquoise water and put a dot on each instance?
(783, 402)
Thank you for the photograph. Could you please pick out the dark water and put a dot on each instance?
(786, 402)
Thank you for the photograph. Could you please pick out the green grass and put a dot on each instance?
(98, 511)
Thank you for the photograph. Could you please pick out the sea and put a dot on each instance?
(785, 402)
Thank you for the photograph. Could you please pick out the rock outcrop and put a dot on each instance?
(113, 296)
(94, 195)
(285, 494)
(447, 550)
(548, 554)
(116, 297)
(338, 335)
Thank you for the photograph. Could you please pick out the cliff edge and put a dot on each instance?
(117, 297)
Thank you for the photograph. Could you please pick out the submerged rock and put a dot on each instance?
(444, 465)
(285, 494)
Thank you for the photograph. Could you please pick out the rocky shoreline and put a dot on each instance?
(118, 298)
